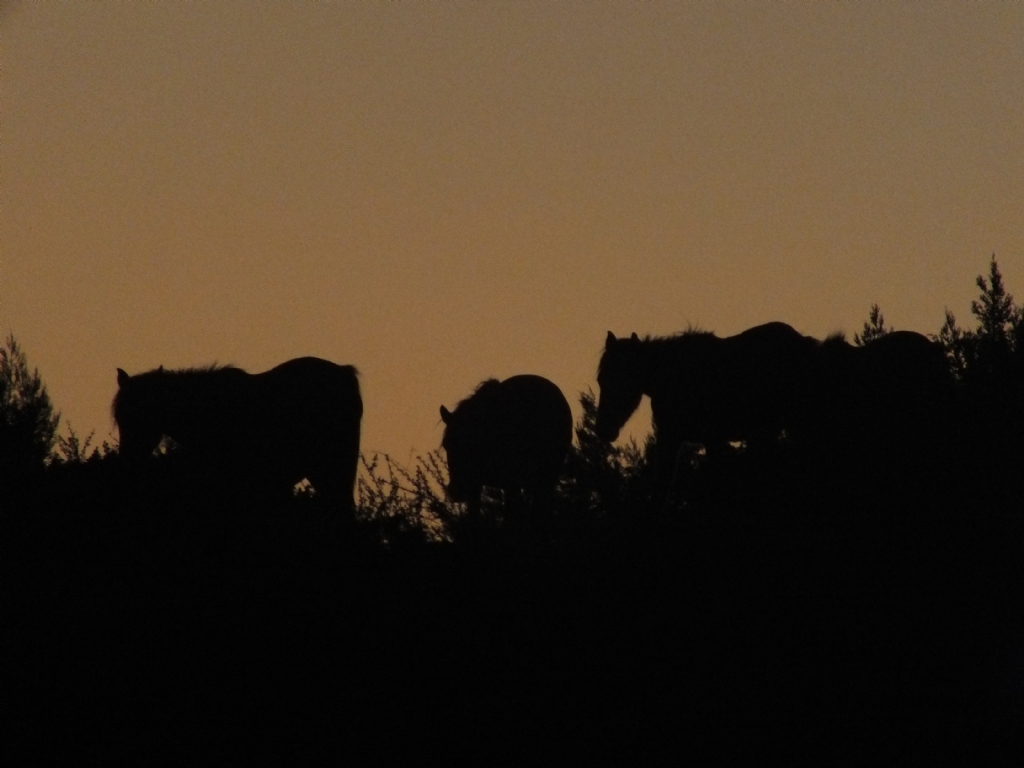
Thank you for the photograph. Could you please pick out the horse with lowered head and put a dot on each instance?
(266, 431)
(511, 435)
(830, 397)
(705, 389)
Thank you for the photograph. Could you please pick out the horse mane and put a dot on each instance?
(690, 331)
(195, 373)
(835, 341)
(659, 343)
(485, 391)
(202, 369)
(197, 370)
(690, 339)
(350, 370)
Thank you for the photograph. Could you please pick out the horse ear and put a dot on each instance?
(446, 415)
(122, 377)
(161, 368)
(610, 338)
(634, 337)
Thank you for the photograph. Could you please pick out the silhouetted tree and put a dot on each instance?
(987, 356)
(874, 328)
(1017, 337)
(407, 503)
(28, 423)
(998, 328)
(988, 361)
(957, 344)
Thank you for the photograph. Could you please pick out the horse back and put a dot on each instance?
(909, 373)
(536, 416)
(737, 387)
(509, 434)
(313, 384)
(303, 408)
(773, 355)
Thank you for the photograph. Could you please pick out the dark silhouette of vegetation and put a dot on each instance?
(406, 503)
(28, 422)
(990, 356)
(855, 599)
(874, 328)
(602, 479)
(74, 450)
(988, 363)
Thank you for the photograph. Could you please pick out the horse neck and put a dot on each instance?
(656, 363)
(186, 396)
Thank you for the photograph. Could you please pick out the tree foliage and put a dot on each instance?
(874, 328)
(405, 502)
(989, 357)
(28, 422)
(999, 321)
(601, 478)
(74, 450)
(956, 343)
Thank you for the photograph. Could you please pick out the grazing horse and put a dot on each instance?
(705, 389)
(512, 435)
(265, 431)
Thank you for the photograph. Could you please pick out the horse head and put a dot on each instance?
(620, 384)
(463, 448)
(138, 414)
(512, 434)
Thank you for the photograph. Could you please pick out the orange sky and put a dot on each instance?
(442, 192)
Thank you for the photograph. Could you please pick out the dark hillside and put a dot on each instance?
(850, 596)
(146, 624)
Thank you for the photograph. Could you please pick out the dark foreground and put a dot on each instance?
(873, 621)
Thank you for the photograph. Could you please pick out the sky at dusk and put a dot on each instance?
(439, 193)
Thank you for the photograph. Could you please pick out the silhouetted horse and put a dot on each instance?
(890, 395)
(513, 435)
(705, 389)
(268, 431)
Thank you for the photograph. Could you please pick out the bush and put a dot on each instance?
(601, 479)
(28, 423)
(407, 503)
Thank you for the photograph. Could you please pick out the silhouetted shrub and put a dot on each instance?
(407, 502)
(28, 423)
(988, 363)
(874, 328)
(73, 450)
(989, 357)
(601, 479)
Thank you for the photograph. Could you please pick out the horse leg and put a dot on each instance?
(332, 471)
(347, 472)
(668, 445)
